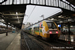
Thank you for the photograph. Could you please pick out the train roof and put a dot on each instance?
(43, 20)
(39, 22)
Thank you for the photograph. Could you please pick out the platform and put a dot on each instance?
(15, 44)
(6, 40)
(65, 38)
(16, 41)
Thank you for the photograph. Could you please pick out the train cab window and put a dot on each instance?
(54, 26)
(51, 25)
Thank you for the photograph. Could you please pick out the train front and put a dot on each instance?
(50, 30)
(53, 30)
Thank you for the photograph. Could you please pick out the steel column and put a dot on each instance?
(6, 28)
(69, 33)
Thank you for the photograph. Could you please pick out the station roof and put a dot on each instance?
(13, 14)
(63, 17)
(72, 2)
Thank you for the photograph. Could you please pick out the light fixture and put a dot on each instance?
(69, 19)
(49, 19)
(60, 16)
(17, 16)
(52, 18)
(8, 23)
(16, 13)
(2, 20)
(61, 21)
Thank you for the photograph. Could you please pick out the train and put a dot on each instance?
(46, 29)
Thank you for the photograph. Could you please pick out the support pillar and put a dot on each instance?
(7, 29)
(61, 27)
(69, 40)
(12, 2)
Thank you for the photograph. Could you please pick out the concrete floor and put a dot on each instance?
(15, 44)
(6, 40)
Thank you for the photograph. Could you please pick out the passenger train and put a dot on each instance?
(46, 29)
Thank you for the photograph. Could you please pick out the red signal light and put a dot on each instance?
(50, 32)
(56, 32)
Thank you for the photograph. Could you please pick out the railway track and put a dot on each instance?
(61, 45)
(58, 44)
(31, 45)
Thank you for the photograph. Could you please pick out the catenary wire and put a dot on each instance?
(31, 12)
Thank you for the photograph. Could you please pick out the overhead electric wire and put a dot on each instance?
(31, 13)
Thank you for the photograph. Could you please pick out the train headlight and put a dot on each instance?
(56, 32)
(50, 32)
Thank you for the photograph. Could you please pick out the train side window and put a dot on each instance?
(29, 28)
(41, 25)
(36, 28)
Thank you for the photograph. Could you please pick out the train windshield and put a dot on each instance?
(51, 25)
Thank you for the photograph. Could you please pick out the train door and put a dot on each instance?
(32, 30)
(40, 28)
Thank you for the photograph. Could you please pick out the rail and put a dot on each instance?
(55, 43)
(32, 45)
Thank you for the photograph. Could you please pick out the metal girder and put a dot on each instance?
(16, 22)
(14, 17)
(8, 13)
(72, 2)
(14, 14)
